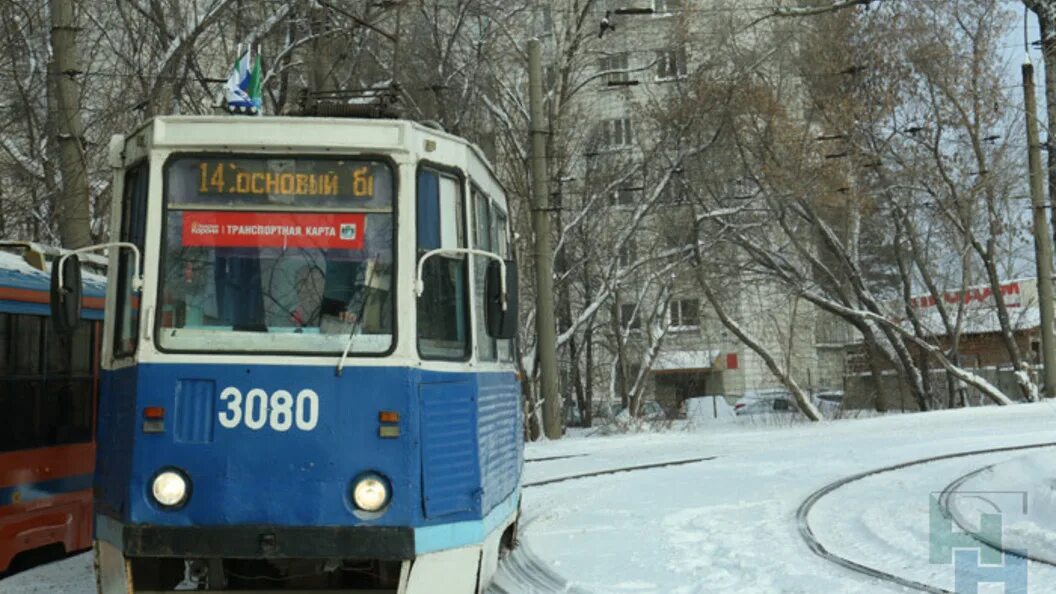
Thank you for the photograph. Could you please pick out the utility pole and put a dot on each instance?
(64, 119)
(1042, 237)
(545, 329)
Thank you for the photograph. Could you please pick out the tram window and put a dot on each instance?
(298, 261)
(19, 400)
(6, 337)
(81, 349)
(69, 354)
(28, 347)
(60, 350)
(133, 229)
(442, 309)
(502, 248)
(65, 412)
(482, 240)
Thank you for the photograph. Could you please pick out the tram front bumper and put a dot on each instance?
(383, 543)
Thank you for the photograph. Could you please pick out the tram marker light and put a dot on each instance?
(389, 416)
(389, 431)
(154, 413)
(153, 426)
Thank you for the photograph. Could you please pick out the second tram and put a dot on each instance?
(308, 381)
(48, 386)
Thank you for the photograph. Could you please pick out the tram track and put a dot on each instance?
(808, 535)
(584, 475)
(529, 571)
(552, 458)
(944, 507)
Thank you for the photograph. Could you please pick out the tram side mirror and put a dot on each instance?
(500, 323)
(66, 301)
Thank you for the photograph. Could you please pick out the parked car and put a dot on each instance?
(600, 411)
(761, 402)
(651, 411)
(707, 408)
(829, 402)
(604, 411)
(764, 406)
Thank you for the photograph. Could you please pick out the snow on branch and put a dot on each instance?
(806, 11)
(800, 11)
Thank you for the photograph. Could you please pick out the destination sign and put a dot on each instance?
(229, 178)
(289, 181)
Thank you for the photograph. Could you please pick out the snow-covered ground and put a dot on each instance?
(1028, 486)
(729, 524)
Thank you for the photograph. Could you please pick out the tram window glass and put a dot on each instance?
(502, 248)
(482, 240)
(60, 350)
(290, 255)
(133, 229)
(70, 354)
(443, 312)
(54, 408)
(6, 337)
(81, 349)
(28, 347)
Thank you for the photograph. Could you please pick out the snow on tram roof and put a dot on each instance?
(17, 273)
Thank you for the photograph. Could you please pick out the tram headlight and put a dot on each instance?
(370, 493)
(170, 488)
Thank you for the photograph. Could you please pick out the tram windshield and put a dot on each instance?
(277, 254)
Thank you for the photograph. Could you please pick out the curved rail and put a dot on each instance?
(584, 475)
(944, 507)
(526, 567)
(807, 533)
(550, 458)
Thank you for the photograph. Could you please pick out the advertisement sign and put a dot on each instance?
(273, 230)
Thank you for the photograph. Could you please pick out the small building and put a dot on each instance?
(981, 347)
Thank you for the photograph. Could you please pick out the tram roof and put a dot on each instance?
(303, 133)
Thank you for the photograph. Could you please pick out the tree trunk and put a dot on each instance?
(64, 115)
(322, 69)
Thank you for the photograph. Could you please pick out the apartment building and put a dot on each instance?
(659, 336)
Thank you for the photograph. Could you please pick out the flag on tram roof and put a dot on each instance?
(243, 87)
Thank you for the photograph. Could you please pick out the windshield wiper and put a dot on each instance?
(371, 269)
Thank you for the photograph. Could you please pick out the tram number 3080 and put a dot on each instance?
(281, 411)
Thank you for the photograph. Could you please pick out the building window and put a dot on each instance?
(628, 253)
(671, 64)
(685, 313)
(629, 317)
(624, 197)
(663, 7)
(615, 133)
(616, 67)
(542, 21)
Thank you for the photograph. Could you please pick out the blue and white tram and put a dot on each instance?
(310, 383)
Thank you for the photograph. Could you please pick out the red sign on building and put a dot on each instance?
(273, 230)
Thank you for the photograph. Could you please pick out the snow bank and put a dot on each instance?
(69, 576)
(1024, 491)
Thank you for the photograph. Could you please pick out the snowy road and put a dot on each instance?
(891, 533)
(728, 524)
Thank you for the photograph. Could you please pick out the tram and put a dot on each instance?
(308, 359)
(48, 387)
